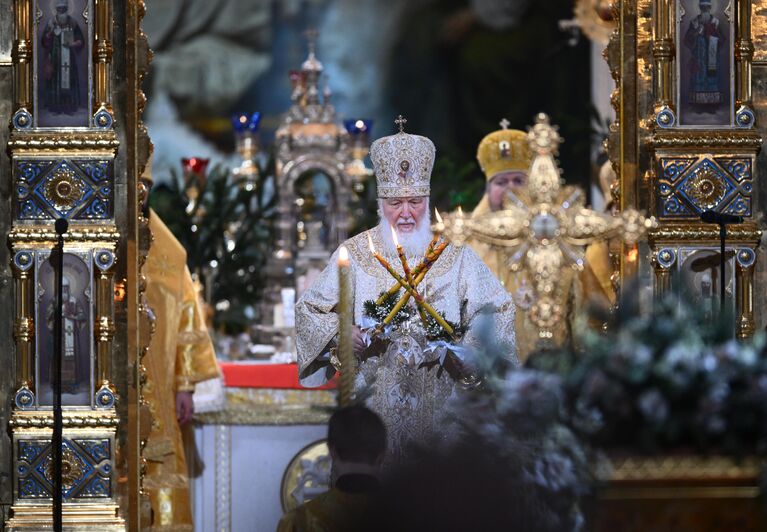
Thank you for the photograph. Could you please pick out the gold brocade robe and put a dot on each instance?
(409, 398)
(180, 354)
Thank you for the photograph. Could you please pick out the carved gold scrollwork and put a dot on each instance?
(31, 420)
(704, 234)
(706, 139)
(84, 142)
(138, 56)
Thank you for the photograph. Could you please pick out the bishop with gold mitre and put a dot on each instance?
(408, 367)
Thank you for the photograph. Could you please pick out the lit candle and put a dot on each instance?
(345, 329)
(439, 227)
(404, 284)
(402, 258)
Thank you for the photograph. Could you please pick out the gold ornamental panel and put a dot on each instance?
(72, 146)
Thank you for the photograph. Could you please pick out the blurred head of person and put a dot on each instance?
(505, 158)
(356, 440)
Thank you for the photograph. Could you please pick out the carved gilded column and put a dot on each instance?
(23, 58)
(104, 327)
(744, 280)
(623, 146)
(744, 54)
(24, 329)
(102, 57)
(663, 55)
(138, 56)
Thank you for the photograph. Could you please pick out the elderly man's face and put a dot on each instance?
(500, 184)
(404, 214)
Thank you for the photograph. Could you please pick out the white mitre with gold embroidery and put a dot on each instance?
(402, 164)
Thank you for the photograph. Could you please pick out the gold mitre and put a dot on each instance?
(505, 150)
(402, 164)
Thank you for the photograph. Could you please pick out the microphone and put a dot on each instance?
(721, 218)
(61, 226)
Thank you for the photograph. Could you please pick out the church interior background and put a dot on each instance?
(254, 119)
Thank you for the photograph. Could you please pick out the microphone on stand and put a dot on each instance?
(713, 217)
(723, 219)
(61, 227)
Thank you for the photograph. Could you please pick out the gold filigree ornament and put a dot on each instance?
(706, 188)
(72, 468)
(64, 190)
(546, 231)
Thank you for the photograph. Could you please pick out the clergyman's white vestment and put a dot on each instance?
(408, 397)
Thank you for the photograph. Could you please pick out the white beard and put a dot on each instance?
(414, 244)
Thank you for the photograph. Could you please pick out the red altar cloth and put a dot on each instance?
(282, 376)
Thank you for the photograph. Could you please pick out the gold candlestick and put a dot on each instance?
(345, 329)
(406, 270)
(434, 240)
(419, 271)
(404, 284)
(402, 258)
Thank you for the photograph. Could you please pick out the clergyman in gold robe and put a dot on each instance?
(505, 159)
(180, 355)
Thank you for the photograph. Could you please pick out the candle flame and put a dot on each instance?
(437, 216)
(394, 237)
(460, 211)
(370, 244)
(343, 255)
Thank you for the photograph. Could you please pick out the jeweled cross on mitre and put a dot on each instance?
(400, 122)
(547, 231)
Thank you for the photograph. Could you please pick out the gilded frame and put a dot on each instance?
(642, 55)
(681, 22)
(84, 255)
(665, 44)
(37, 81)
(99, 66)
